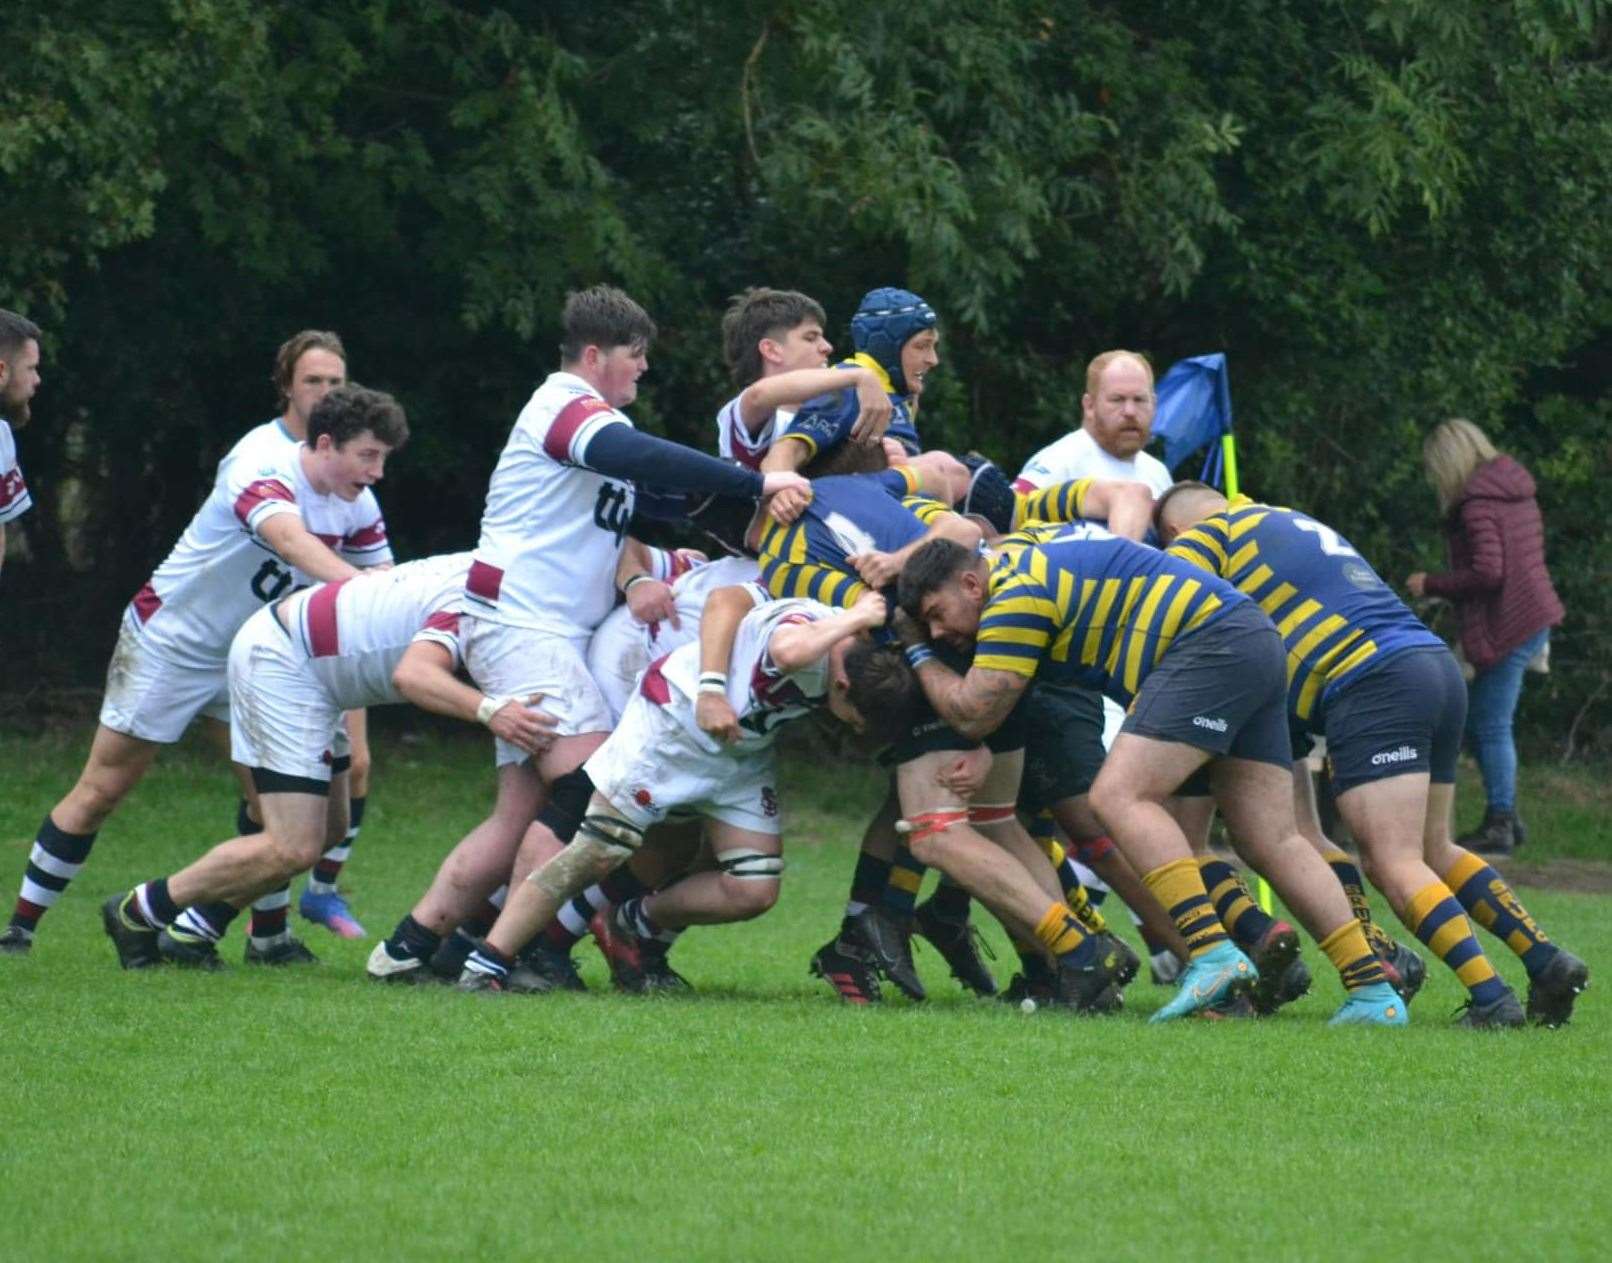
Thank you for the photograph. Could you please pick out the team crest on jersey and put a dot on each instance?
(643, 797)
(769, 801)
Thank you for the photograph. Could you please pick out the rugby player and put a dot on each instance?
(261, 531)
(19, 378)
(1388, 697)
(294, 667)
(789, 658)
(544, 577)
(1204, 672)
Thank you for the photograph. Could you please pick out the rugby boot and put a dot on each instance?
(136, 944)
(1126, 962)
(1276, 950)
(1375, 1005)
(1501, 1014)
(15, 941)
(1553, 990)
(659, 976)
(1406, 970)
(408, 970)
(847, 968)
(331, 911)
(1090, 987)
(1037, 991)
(959, 945)
(175, 947)
(1497, 835)
(474, 982)
(621, 952)
(1218, 974)
(887, 943)
(540, 969)
(285, 951)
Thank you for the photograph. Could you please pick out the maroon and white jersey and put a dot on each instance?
(14, 497)
(355, 630)
(762, 695)
(221, 571)
(552, 531)
(734, 440)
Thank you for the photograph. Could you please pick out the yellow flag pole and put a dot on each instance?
(1228, 453)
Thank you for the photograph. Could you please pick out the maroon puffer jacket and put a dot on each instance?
(1497, 576)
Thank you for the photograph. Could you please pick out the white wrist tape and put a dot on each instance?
(489, 707)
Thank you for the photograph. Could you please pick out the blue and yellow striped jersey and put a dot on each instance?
(1061, 502)
(849, 514)
(1337, 618)
(1080, 606)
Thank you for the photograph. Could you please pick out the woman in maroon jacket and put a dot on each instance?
(1503, 595)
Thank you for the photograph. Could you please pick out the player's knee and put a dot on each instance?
(98, 793)
(293, 853)
(751, 881)
(569, 797)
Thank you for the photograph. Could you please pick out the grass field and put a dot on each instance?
(270, 1115)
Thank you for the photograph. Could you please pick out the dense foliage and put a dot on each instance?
(1384, 212)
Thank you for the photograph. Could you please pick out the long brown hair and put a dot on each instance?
(1452, 453)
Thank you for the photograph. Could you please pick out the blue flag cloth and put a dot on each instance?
(1193, 409)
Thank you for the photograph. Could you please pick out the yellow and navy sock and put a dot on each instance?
(1061, 933)
(906, 876)
(1438, 921)
(1178, 885)
(1352, 957)
(1354, 886)
(1493, 905)
(1234, 903)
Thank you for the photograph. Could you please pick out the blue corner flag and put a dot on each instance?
(1193, 410)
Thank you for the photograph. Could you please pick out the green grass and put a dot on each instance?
(275, 1115)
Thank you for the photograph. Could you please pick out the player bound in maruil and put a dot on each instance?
(1388, 697)
(294, 668)
(260, 532)
(544, 577)
(1203, 673)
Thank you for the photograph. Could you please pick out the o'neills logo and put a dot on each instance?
(1402, 755)
(1214, 725)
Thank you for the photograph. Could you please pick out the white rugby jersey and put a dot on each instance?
(552, 531)
(1076, 455)
(14, 497)
(734, 440)
(762, 695)
(354, 631)
(220, 571)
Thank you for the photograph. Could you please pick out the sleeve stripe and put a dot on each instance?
(371, 536)
(259, 493)
(559, 443)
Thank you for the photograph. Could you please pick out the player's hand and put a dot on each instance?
(787, 495)
(651, 601)
(871, 609)
(907, 630)
(876, 569)
(716, 718)
(523, 724)
(966, 775)
(874, 411)
(1416, 584)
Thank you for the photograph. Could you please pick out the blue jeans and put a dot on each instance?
(1491, 704)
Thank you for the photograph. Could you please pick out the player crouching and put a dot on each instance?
(789, 658)
(294, 668)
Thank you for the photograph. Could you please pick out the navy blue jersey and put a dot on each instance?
(825, 422)
(1337, 618)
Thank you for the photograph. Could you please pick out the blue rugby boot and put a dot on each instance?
(1219, 974)
(1376, 1005)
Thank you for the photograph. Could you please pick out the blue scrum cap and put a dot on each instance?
(885, 320)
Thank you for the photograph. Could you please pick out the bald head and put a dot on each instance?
(1183, 506)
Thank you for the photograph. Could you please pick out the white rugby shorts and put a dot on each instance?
(650, 766)
(281, 717)
(154, 699)
(518, 662)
